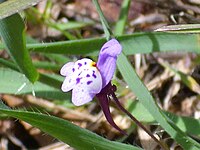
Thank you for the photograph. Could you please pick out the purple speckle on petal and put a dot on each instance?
(79, 65)
(104, 48)
(85, 63)
(79, 73)
(87, 75)
(89, 82)
(73, 69)
(94, 74)
(78, 80)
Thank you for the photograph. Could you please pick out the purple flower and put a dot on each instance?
(88, 79)
(107, 60)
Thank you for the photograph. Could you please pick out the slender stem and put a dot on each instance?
(106, 27)
(162, 145)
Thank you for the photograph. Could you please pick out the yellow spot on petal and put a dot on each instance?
(93, 64)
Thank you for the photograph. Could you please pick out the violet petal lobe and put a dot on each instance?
(107, 60)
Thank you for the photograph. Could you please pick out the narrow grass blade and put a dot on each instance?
(13, 82)
(132, 44)
(106, 28)
(6, 8)
(47, 65)
(65, 131)
(72, 25)
(186, 124)
(121, 23)
(12, 32)
(43, 78)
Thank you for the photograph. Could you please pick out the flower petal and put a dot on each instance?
(66, 70)
(112, 48)
(68, 84)
(88, 84)
(107, 60)
(88, 81)
(80, 96)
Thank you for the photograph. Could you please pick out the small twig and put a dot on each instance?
(186, 7)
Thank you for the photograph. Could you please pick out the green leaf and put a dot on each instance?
(72, 25)
(78, 138)
(38, 64)
(132, 44)
(6, 8)
(73, 47)
(44, 78)
(106, 28)
(59, 58)
(121, 23)
(12, 32)
(186, 124)
(46, 65)
(145, 97)
(8, 64)
(9, 85)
